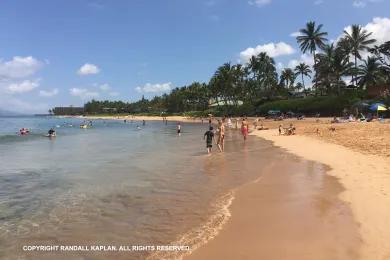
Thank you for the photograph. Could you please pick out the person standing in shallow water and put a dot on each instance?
(178, 129)
(209, 136)
(244, 128)
(221, 136)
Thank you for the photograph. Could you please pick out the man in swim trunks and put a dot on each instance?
(221, 136)
(209, 136)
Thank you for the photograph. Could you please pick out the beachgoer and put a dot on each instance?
(221, 136)
(209, 136)
(143, 122)
(244, 128)
(51, 132)
(178, 129)
(291, 130)
(280, 129)
(236, 123)
(24, 131)
(255, 123)
(230, 125)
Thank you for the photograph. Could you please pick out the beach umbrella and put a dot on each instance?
(377, 106)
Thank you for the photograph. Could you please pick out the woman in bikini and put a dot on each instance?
(221, 136)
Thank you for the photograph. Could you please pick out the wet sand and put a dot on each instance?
(366, 179)
(291, 212)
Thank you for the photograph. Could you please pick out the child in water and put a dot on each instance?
(209, 136)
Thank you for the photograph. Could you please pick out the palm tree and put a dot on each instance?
(333, 64)
(312, 38)
(369, 73)
(303, 70)
(287, 78)
(359, 40)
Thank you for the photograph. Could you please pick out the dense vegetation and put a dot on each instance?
(342, 73)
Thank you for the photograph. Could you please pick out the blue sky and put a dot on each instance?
(56, 52)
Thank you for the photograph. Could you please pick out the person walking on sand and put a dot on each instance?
(178, 129)
(221, 136)
(244, 128)
(209, 136)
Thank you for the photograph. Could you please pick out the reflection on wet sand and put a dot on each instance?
(292, 212)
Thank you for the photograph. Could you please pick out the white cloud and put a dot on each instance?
(380, 28)
(318, 2)
(295, 34)
(259, 3)
(83, 93)
(154, 88)
(48, 93)
(113, 94)
(105, 87)
(88, 69)
(22, 87)
(19, 67)
(305, 58)
(272, 49)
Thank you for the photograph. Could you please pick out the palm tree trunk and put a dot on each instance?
(355, 71)
(315, 65)
(303, 82)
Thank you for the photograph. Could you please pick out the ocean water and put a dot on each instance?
(116, 185)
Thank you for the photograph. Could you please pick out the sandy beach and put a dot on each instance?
(267, 223)
(357, 155)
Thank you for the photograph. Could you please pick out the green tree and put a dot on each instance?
(287, 78)
(303, 69)
(359, 41)
(369, 73)
(312, 38)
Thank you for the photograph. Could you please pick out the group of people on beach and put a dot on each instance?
(218, 136)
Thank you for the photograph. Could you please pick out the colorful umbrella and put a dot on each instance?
(375, 107)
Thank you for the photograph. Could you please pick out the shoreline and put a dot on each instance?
(365, 192)
(146, 118)
(358, 157)
(366, 180)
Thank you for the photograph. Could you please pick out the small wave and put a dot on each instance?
(18, 138)
(199, 236)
